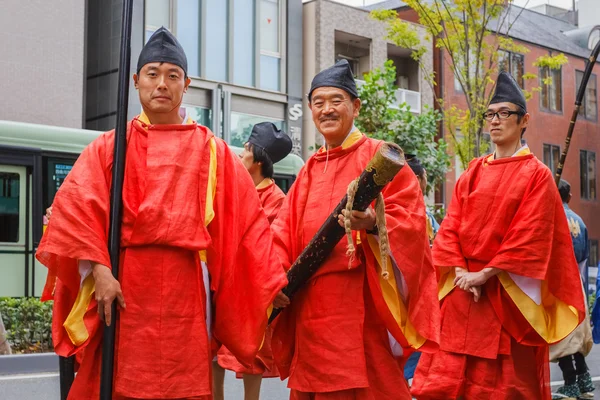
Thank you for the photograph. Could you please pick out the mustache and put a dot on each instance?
(329, 118)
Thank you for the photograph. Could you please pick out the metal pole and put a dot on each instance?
(118, 172)
(580, 93)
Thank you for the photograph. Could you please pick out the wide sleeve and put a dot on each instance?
(538, 295)
(245, 272)
(78, 230)
(285, 227)
(447, 251)
(407, 300)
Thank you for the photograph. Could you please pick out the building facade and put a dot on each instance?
(244, 60)
(334, 31)
(550, 108)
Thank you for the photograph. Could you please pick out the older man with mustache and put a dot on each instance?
(346, 334)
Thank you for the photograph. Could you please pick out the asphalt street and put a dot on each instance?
(46, 386)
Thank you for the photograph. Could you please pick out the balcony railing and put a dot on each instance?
(403, 96)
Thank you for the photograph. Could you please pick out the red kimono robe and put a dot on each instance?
(346, 333)
(186, 199)
(271, 198)
(505, 214)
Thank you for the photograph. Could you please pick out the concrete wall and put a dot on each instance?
(321, 19)
(42, 61)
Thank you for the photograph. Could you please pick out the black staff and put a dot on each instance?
(116, 196)
(580, 93)
(386, 163)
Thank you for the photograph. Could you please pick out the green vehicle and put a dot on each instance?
(34, 161)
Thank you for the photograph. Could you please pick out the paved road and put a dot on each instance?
(46, 387)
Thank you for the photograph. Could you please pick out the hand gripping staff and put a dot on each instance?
(116, 196)
(382, 168)
(580, 93)
(66, 364)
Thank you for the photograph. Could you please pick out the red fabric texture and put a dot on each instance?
(447, 375)
(505, 214)
(271, 199)
(335, 331)
(162, 348)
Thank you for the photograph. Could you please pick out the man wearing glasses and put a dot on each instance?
(509, 283)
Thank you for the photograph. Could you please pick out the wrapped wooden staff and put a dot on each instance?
(382, 168)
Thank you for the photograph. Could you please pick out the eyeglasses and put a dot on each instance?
(502, 114)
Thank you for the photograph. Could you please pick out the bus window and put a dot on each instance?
(10, 188)
(56, 172)
(284, 182)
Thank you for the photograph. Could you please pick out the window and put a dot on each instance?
(241, 126)
(203, 116)
(589, 107)
(188, 33)
(237, 41)
(587, 173)
(593, 260)
(157, 13)
(512, 63)
(10, 187)
(270, 51)
(243, 42)
(551, 156)
(216, 40)
(551, 94)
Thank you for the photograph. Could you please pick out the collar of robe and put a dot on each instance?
(340, 151)
(145, 126)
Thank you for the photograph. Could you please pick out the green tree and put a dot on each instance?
(415, 133)
(471, 34)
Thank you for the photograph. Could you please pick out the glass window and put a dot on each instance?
(551, 95)
(512, 63)
(203, 116)
(157, 13)
(57, 171)
(188, 33)
(517, 68)
(593, 260)
(503, 61)
(589, 106)
(242, 124)
(269, 73)
(587, 174)
(269, 26)
(216, 40)
(551, 156)
(243, 42)
(9, 206)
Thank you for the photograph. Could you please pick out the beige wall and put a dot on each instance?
(42, 61)
(321, 19)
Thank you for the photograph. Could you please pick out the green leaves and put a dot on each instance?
(415, 133)
(28, 324)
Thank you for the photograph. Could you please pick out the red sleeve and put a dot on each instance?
(409, 246)
(78, 230)
(286, 242)
(245, 273)
(539, 229)
(446, 246)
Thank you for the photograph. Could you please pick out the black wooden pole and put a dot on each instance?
(118, 172)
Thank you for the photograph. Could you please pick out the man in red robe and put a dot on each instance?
(266, 146)
(509, 283)
(190, 227)
(346, 334)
